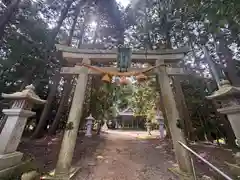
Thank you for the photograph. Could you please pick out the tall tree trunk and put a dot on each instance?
(57, 76)
(62, 17)
(66, 91)
(43, 119)
(67, 84)
(5, 18)
(83, 27)
(96, 33)
(212, 66)
(75, 18)
(96, 83)
(82, 31)
(231, 69)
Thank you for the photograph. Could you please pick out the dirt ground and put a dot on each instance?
(45, 150)
(122, 155)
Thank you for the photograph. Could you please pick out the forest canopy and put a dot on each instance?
(29, 30)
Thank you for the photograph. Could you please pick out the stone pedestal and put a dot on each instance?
(149, 127)
(12, 131)
(161, 129)
(89, 126)
(233, 114)
(160, 120)
(104, 127)
(116, 124)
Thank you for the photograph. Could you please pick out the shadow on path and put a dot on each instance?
(45, 150)
(125, 157)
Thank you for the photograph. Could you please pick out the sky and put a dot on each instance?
(124, 3)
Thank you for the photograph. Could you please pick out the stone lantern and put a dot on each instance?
(12, 131)
(228, 99)
(160, 120)
(89, 124)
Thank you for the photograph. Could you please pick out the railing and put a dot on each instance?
(205, 161)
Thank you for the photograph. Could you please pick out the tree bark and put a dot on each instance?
(5, 18)
(231, 70)
(83, 27)
(67, 84)
(212, 66)
(62, 17)
(82, 30)
(43, 119)
(96, 33)
(75, 18)
(66, 91)
(57, 77)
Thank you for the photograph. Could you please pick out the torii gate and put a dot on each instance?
(91, 57)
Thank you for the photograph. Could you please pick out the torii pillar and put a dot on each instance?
(172, 113)
(63, 166)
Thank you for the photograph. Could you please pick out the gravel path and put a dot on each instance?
(124, 157)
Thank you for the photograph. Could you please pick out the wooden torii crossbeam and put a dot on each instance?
(75, 56)
(79, 70)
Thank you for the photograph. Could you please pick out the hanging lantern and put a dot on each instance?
(106, 78)
(141, 77)
(124, 81)
(123, 58)
(117, 80)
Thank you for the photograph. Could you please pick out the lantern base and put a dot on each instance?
(8, 162)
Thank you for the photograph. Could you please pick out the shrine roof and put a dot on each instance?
(225, 90)
(75, 55)
(127, 112)
(27, 93)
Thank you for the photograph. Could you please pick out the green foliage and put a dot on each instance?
(104, 99)
(205, 121)
(22, 52)
(144, 100)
